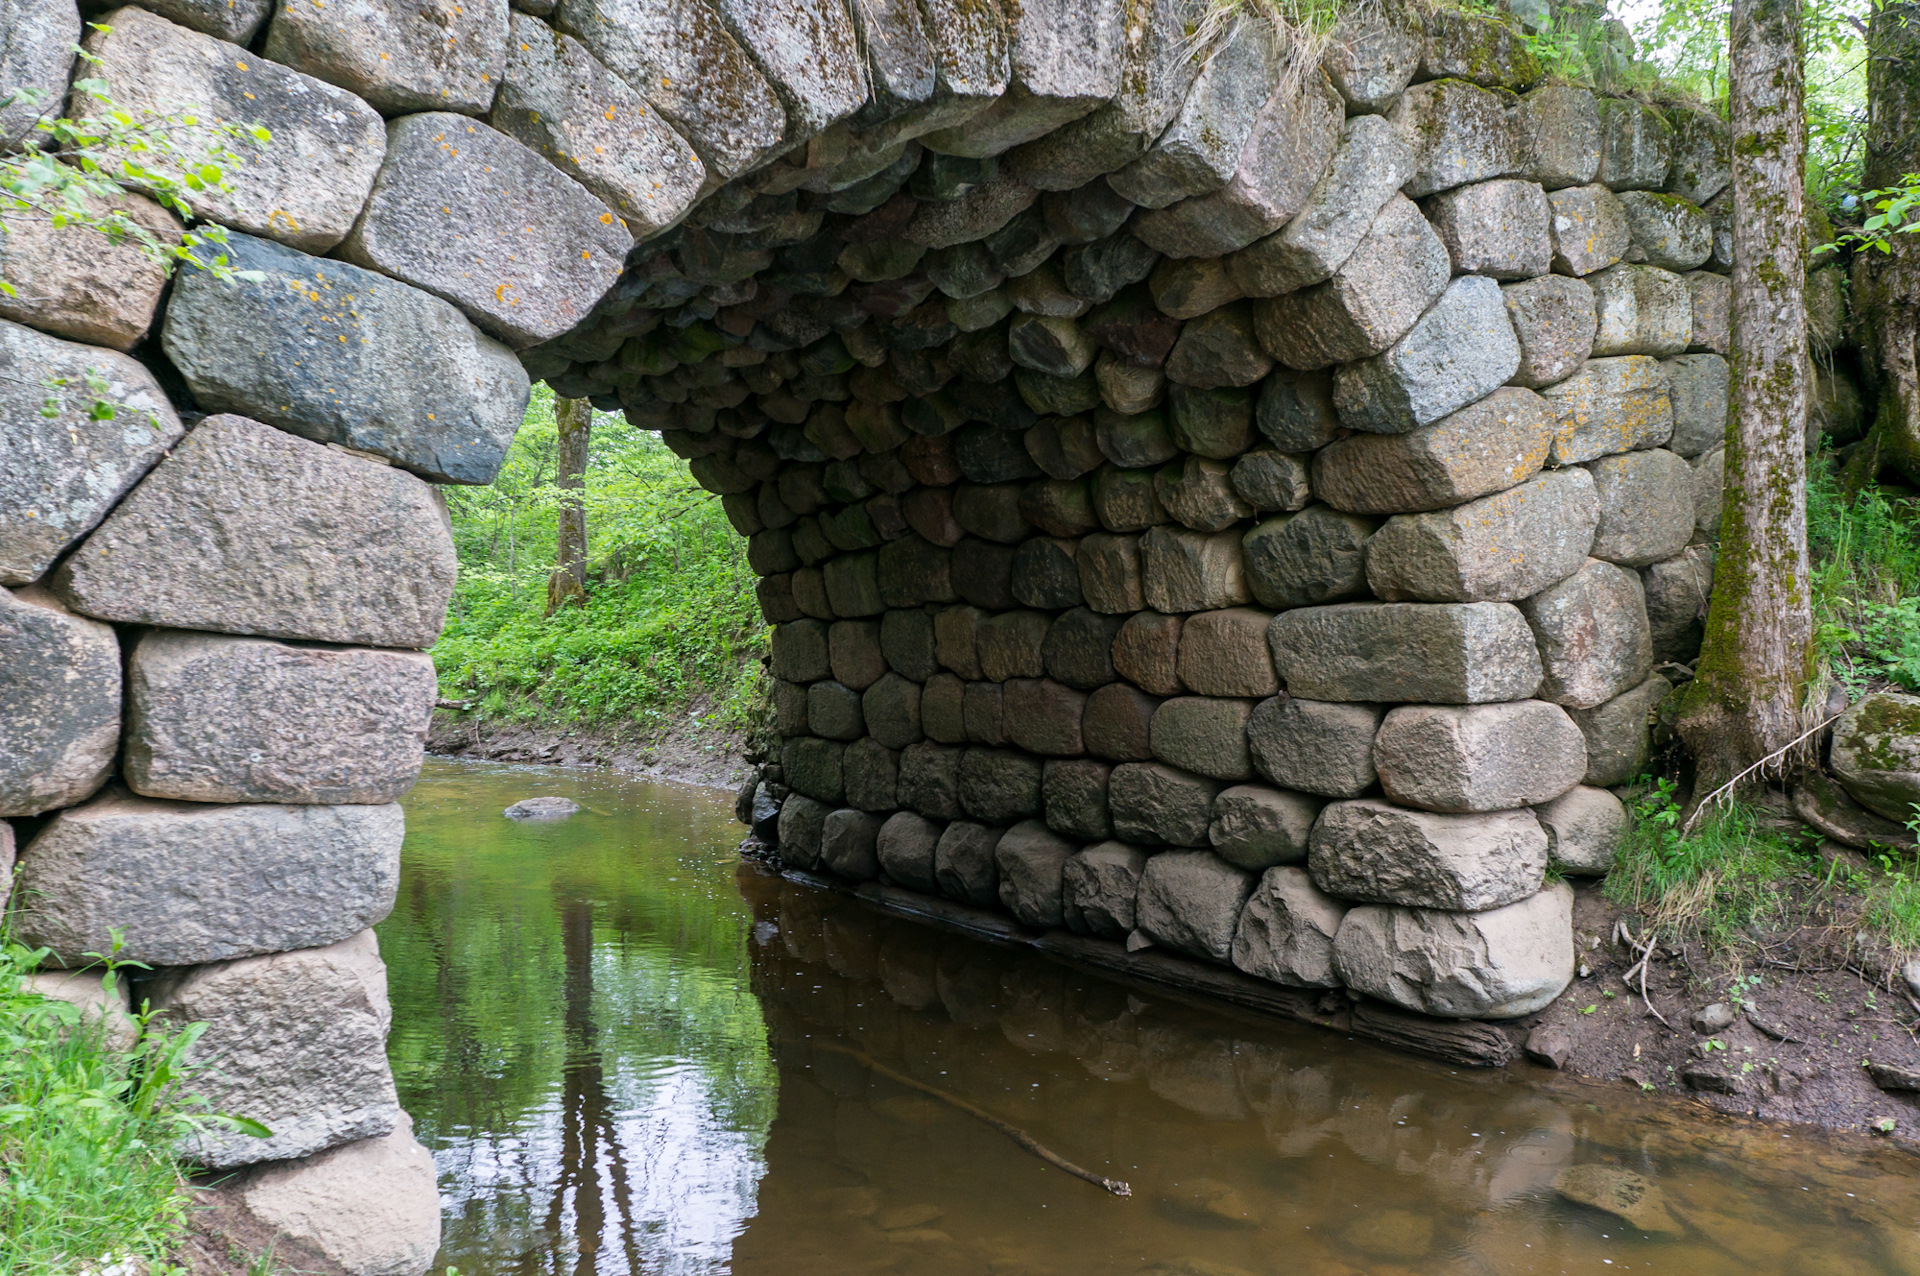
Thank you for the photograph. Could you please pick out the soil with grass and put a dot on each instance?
(691, 749)
(1798, 1015)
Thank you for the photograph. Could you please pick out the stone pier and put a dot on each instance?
(1204, 500)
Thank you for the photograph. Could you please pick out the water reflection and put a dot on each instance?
(592, 1017)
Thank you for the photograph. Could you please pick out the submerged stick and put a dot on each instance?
(1012, 1131)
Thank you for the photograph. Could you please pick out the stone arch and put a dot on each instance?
(1202, 499)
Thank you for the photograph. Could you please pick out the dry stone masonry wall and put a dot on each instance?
(1202, 499)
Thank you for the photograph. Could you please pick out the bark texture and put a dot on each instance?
(1745, 700)
(1886, 286)
(568, 584)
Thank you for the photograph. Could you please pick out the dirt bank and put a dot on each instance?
(691, 751)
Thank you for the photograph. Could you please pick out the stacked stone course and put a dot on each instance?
(1200, 499)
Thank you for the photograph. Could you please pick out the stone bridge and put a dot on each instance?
(1214, 494)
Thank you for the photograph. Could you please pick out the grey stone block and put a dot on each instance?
(1155, 804)
(801, 822)
(956, 639)
(930, 780)
(1224, 653)
(414, 381)
(1677, 591)
(73, 281)
(1053, 345)
(1031, 859)
(1218, 349)
(1296, 411)
(1619, 732)
(64, 472)
(1636, 145)
(1077, 649)
(1590, 231)
(1371, 164)
(1556, 136)
(1185, 570)
(991, 511)
(1204, 734)
(1315, 747)
(833, 711)
(1066, 60)
(1646, 506)
(800, 651)
(1215, 423)
(185, 883)
(1098, 887)
(1000, 786)
(682, 57)
(1500, 548)
(1065, 447)
(1554, 319)
(38, 55)
(816, 767)
(1707, 488)
(1045, 574)
(1500, 964)
(1190, 901)
(871, 774)
(559, 99)
(60, 697)
(1289, 149)
(1187, 287)
(905, 848)
(1458, 133)
(1712, 305)
(1373, 55)
(1317, 555)
(1585, 826)
(1611, 406)
(963, 863)
(1480, 757)
(1117, 723)
(1697, 388)
(847, 839)
(1428, 653)
(942, 709)
(853, 585)
(1702, 153)
(316, 1080)
(983, 709)
(1376, 853)
(247, 529)
(1666, 230)
(1593, 635)
(1394, 274)
(1073, 793)
(811, 56)
(1255, 827)
(306, 186)
(218, 719)
(1199, 149)
(1146, 651)
(1011, 645)
(1135, 441)
(1270, 480)
(891, 708)
(906, 644)
(1462, 349)
(1043, 717)
(1642, 310)
(1110, 573)
(1479, 47)
(1499, 442)
(1286, 931)
(396, 60)
(1199, 494)
(448, 218)
(1496, 228)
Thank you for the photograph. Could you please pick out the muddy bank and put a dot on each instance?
(690, 751)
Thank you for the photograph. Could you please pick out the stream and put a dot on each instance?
(630, 1052)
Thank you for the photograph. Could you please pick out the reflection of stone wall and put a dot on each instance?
(1232, 510)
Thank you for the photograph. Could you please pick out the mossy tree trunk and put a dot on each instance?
(1746, 698)
(568, 584)
(1886, 286)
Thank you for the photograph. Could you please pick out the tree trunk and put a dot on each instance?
(568, 584)
(1746, 698)
(1886, 286)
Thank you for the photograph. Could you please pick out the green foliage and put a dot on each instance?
(670, 615)
(1866, 583)
(1723, 878)
(87, 1132)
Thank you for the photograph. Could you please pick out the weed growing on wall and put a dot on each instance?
(670, 613)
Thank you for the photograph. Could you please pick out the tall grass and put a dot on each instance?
(1866, 583)
(87, 1171)
(670, 615)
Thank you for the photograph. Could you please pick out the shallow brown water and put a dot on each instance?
(629, 1053)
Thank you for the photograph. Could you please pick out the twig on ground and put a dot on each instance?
(1012, 1131)
(1622, 934)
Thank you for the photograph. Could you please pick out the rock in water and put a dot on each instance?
(542, 808)
(1619, 1192)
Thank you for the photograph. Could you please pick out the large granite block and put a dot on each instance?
(37, 54)
(1493, 445)
(1462, 349)
(1491, 757)
(77, 282)
(1065, 61)
(1500, 964)
(60, 690)
(1429, 653)
(397, 57)
(247, 529)
(1499, 548)
(1377, 853)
